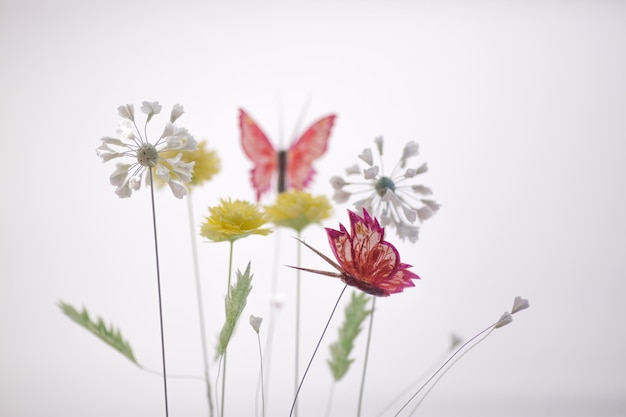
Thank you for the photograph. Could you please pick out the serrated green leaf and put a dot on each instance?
(110, 335)
(355, 313)
(235, 302)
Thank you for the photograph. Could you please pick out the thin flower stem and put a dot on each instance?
(272, 317)
(262, 389)
(443, 366)
(408, 388)
(446, 370)
(297, 360)
(171, 376)
(196, 272)
(230, 269)
(145, 127)
(316, 348)
(217, 378)
(158, 274)
(367, 354)
(331, 394)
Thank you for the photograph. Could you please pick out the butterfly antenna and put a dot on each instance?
(279, 111)
(298, 126)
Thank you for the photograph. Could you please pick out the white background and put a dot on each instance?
(519, 110)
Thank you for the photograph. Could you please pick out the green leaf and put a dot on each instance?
(235, 302)
(110, 335)
(355, 313)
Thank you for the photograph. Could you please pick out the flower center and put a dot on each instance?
(384, 184)
(147, 155)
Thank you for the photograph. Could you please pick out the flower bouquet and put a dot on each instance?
(364, 259)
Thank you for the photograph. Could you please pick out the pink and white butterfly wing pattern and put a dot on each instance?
(260, 151)
(294, 167)
(309, 147)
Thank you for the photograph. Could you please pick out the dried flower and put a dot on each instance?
(396, 205)
(164, 156)
(366, 260)
(232, 220)
(298, 209)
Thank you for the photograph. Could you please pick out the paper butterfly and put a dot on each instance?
(293, 167)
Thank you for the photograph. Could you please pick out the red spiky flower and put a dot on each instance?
(366, 260)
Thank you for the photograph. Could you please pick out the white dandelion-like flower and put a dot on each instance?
(128, 176)
(395, 203)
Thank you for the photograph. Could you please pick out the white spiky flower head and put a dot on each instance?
(389, 198)
(144, 154)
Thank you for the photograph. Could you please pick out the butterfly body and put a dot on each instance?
(293, 167)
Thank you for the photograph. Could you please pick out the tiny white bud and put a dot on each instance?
(420, 189)
(410, 149)
(177, 111)
(366, 156)
(255, 322)
(341, 196)
(379, 144)
(337, 182)
(504, 320)
(519, 303)
(353, 170)
(455, 341)
(422, 168)
(151, 107)
(410, 173)
(127, 112)
(433, 205)
(410, 213)
(370, 172)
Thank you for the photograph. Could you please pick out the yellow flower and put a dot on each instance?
(207, 164)
(232, 220)
(298, 209)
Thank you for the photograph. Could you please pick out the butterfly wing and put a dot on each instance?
(260, 151)
(310, 146)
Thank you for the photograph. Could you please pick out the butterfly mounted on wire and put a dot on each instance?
(293, 167)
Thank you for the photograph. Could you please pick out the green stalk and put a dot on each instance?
(230, 268)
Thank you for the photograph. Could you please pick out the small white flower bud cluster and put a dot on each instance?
(519, 304)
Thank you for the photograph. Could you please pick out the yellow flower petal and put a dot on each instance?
(298, 209)
(207, 163)
(231, 220)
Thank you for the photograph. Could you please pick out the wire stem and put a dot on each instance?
(367, 354)
(446, 370)
(262, 390)
(230, 269)
(297, 359)
(272, 319)
(158, 275)
(442, 367)
(316, 348)
(196, 273)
